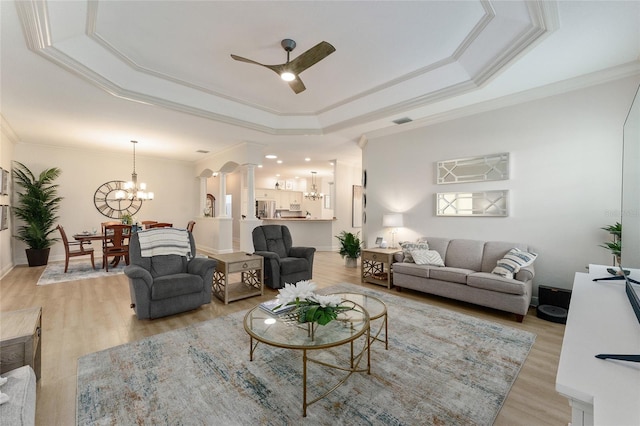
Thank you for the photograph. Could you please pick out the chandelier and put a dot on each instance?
(314, 194)
(132, 189)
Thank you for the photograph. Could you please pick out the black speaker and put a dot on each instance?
(553, 304)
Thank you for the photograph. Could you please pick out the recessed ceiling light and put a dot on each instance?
(279, 161)
(278, 175)
(259, 166)
(271, 156)
(307, 159)
(331, 163)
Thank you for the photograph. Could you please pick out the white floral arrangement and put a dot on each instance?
(311, 307)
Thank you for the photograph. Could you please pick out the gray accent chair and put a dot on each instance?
(283, 263)
(169, 284)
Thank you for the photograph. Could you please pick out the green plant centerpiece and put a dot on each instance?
(310, 307)
(350, 247)
(37, 205)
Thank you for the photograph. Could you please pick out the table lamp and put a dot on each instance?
(392, 220)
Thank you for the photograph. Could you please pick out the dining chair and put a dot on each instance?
(161, 225)
(71, 251)
(114, 244)
(190, 225)
(147, 223)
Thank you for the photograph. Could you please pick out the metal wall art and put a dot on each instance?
(487, 203)
(357, 216)
(474, 169)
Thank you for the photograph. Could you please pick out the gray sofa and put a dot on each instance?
(467, 275)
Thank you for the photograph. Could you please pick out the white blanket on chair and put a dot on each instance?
(163, 241)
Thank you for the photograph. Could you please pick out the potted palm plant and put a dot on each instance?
(350, 246)
(37, 205)
(615, 246)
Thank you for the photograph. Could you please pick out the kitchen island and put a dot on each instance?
(316, 233)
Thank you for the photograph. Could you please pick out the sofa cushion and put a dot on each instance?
(20, 387)
(427, 257)
(407, 247)
(511, 263)
(412, 269)
(436, 243)
(447, 273)
(493, 282)
(176, 285)
(465, 254)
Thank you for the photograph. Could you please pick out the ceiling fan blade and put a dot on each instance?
(297, 85)
(275, 68)
(311, 57)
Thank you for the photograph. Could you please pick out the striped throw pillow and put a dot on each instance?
(407, 247)
(513, 261)
(427, 257)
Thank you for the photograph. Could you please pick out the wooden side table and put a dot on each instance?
(250, 267)
(20, 339)
(376, 266)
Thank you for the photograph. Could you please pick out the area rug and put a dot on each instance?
(441, 368)
(54, 272)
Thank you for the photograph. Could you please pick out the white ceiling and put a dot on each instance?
(99, 74)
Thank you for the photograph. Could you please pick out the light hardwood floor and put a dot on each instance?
(87, 316)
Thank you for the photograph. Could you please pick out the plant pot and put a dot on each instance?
(351, 262)
(38, 257)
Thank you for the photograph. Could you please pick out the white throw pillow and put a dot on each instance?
(427, 257)
(513, 261)
(407, 247)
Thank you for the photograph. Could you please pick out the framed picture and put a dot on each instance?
(288, 185)
(4, 217)
(378, 241)
(4, 181)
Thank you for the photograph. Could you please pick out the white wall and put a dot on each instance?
(174, 184)
(565, 179)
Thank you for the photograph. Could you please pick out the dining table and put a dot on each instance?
(90, 236)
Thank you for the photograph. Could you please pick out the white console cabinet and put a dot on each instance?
(601, 320)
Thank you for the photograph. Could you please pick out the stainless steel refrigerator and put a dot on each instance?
(265, 209)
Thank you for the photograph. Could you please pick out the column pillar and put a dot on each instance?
(247, 225)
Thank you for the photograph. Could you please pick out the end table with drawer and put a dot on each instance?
(250, 281)
(376, 265)
(20, 339)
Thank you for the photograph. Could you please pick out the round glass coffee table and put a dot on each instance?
(376, 310)
(284, 332)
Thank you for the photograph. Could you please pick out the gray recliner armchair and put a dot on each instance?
(167, 284)
(282, 262)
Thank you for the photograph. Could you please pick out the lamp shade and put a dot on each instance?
(392, 220)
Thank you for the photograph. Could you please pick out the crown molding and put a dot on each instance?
(543, 17)
(592, 79)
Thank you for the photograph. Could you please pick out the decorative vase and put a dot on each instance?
(351, 262)
(38, 257)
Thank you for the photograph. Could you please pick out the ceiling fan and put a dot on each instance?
(290, 71)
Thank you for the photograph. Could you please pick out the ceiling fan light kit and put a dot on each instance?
(290, 71)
